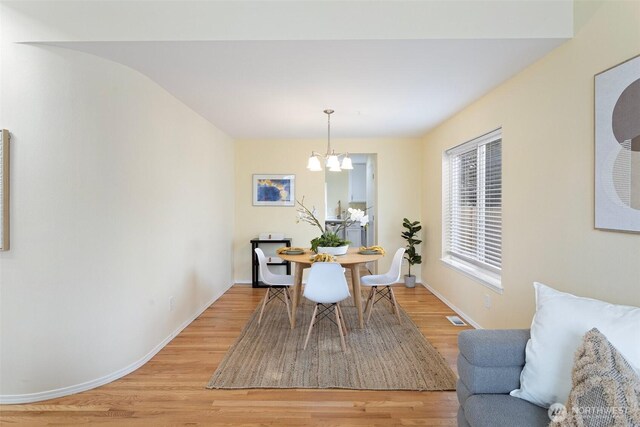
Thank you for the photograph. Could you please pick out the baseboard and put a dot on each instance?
(459, 312)
(77, 388)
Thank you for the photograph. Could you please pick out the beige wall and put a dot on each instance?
(546, 113)
(399, 175)
(121, 198)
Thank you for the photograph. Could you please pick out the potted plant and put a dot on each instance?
(329, 242)
(412, 229)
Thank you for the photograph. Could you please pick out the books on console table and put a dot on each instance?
(271, 236)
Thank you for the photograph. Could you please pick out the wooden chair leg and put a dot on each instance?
(390, 298)
(313, 318)
(344, 324)
(372, 294)
(286, 302)
(395, 304)
(264, 302)
(344, 345)
(373, 298)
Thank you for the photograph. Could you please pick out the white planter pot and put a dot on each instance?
(410, 281)
(340, 250)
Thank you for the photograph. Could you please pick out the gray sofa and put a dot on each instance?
(489, 366)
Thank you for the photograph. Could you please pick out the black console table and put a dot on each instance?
(255, 266)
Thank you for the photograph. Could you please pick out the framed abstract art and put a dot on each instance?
(274, 190)
(617, 147)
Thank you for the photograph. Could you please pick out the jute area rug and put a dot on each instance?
(385, 355)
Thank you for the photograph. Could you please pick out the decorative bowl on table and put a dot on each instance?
(339, 250)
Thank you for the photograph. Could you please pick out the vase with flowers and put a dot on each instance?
(329, 241)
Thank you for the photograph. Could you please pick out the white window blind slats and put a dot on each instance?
(493, 244)
(474, 208)
(462, 216)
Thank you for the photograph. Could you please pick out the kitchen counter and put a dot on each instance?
(334, 221)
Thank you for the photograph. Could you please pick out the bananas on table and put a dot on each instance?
(323, 258)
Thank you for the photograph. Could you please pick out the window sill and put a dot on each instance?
(486, 278)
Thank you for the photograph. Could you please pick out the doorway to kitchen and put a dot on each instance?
(355, 188)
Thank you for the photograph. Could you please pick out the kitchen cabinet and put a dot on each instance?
(355, 236)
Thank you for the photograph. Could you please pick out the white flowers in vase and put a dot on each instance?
(329, 238)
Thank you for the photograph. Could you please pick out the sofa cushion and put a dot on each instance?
(483, 379)
(462, 392)
(485, 347)
(558, 326)
(462, 420)
(492, 410)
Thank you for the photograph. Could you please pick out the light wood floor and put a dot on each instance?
(170, 388)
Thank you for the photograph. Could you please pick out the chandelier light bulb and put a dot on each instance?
(346, 163)
(332, 161)
(314, 164)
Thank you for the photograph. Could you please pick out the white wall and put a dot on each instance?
(546, 113)
(121, 197)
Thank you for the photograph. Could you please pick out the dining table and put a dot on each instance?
(352, 261)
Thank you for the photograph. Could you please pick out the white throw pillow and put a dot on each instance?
(560, 322)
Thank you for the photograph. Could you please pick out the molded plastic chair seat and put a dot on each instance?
(327, 286)
(375, 279)
(385, 281)
(281, 282)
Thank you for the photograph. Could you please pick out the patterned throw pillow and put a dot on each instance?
(606, 389)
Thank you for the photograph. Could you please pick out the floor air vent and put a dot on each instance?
(456, 320)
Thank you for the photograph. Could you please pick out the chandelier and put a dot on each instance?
(331, 158)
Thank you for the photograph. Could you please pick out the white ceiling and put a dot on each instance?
(278, 89)
(267, 69)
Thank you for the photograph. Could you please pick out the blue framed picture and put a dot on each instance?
(274, 190)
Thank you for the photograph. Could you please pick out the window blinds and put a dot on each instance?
(474, 229)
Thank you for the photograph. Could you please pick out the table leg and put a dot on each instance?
(300, 286)
(357, 297)
(297, 286)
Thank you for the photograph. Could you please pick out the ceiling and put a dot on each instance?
(268, 69)
(279, 89)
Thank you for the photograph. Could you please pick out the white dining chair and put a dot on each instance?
(278, 285)
(327, 286)
(383, 281)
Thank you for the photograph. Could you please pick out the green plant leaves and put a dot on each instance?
(328, 240)
(410, 236)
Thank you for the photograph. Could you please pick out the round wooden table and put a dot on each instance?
(351, 260)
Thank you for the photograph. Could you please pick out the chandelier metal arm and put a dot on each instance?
(328, 113)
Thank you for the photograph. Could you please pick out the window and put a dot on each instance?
(473, 204)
